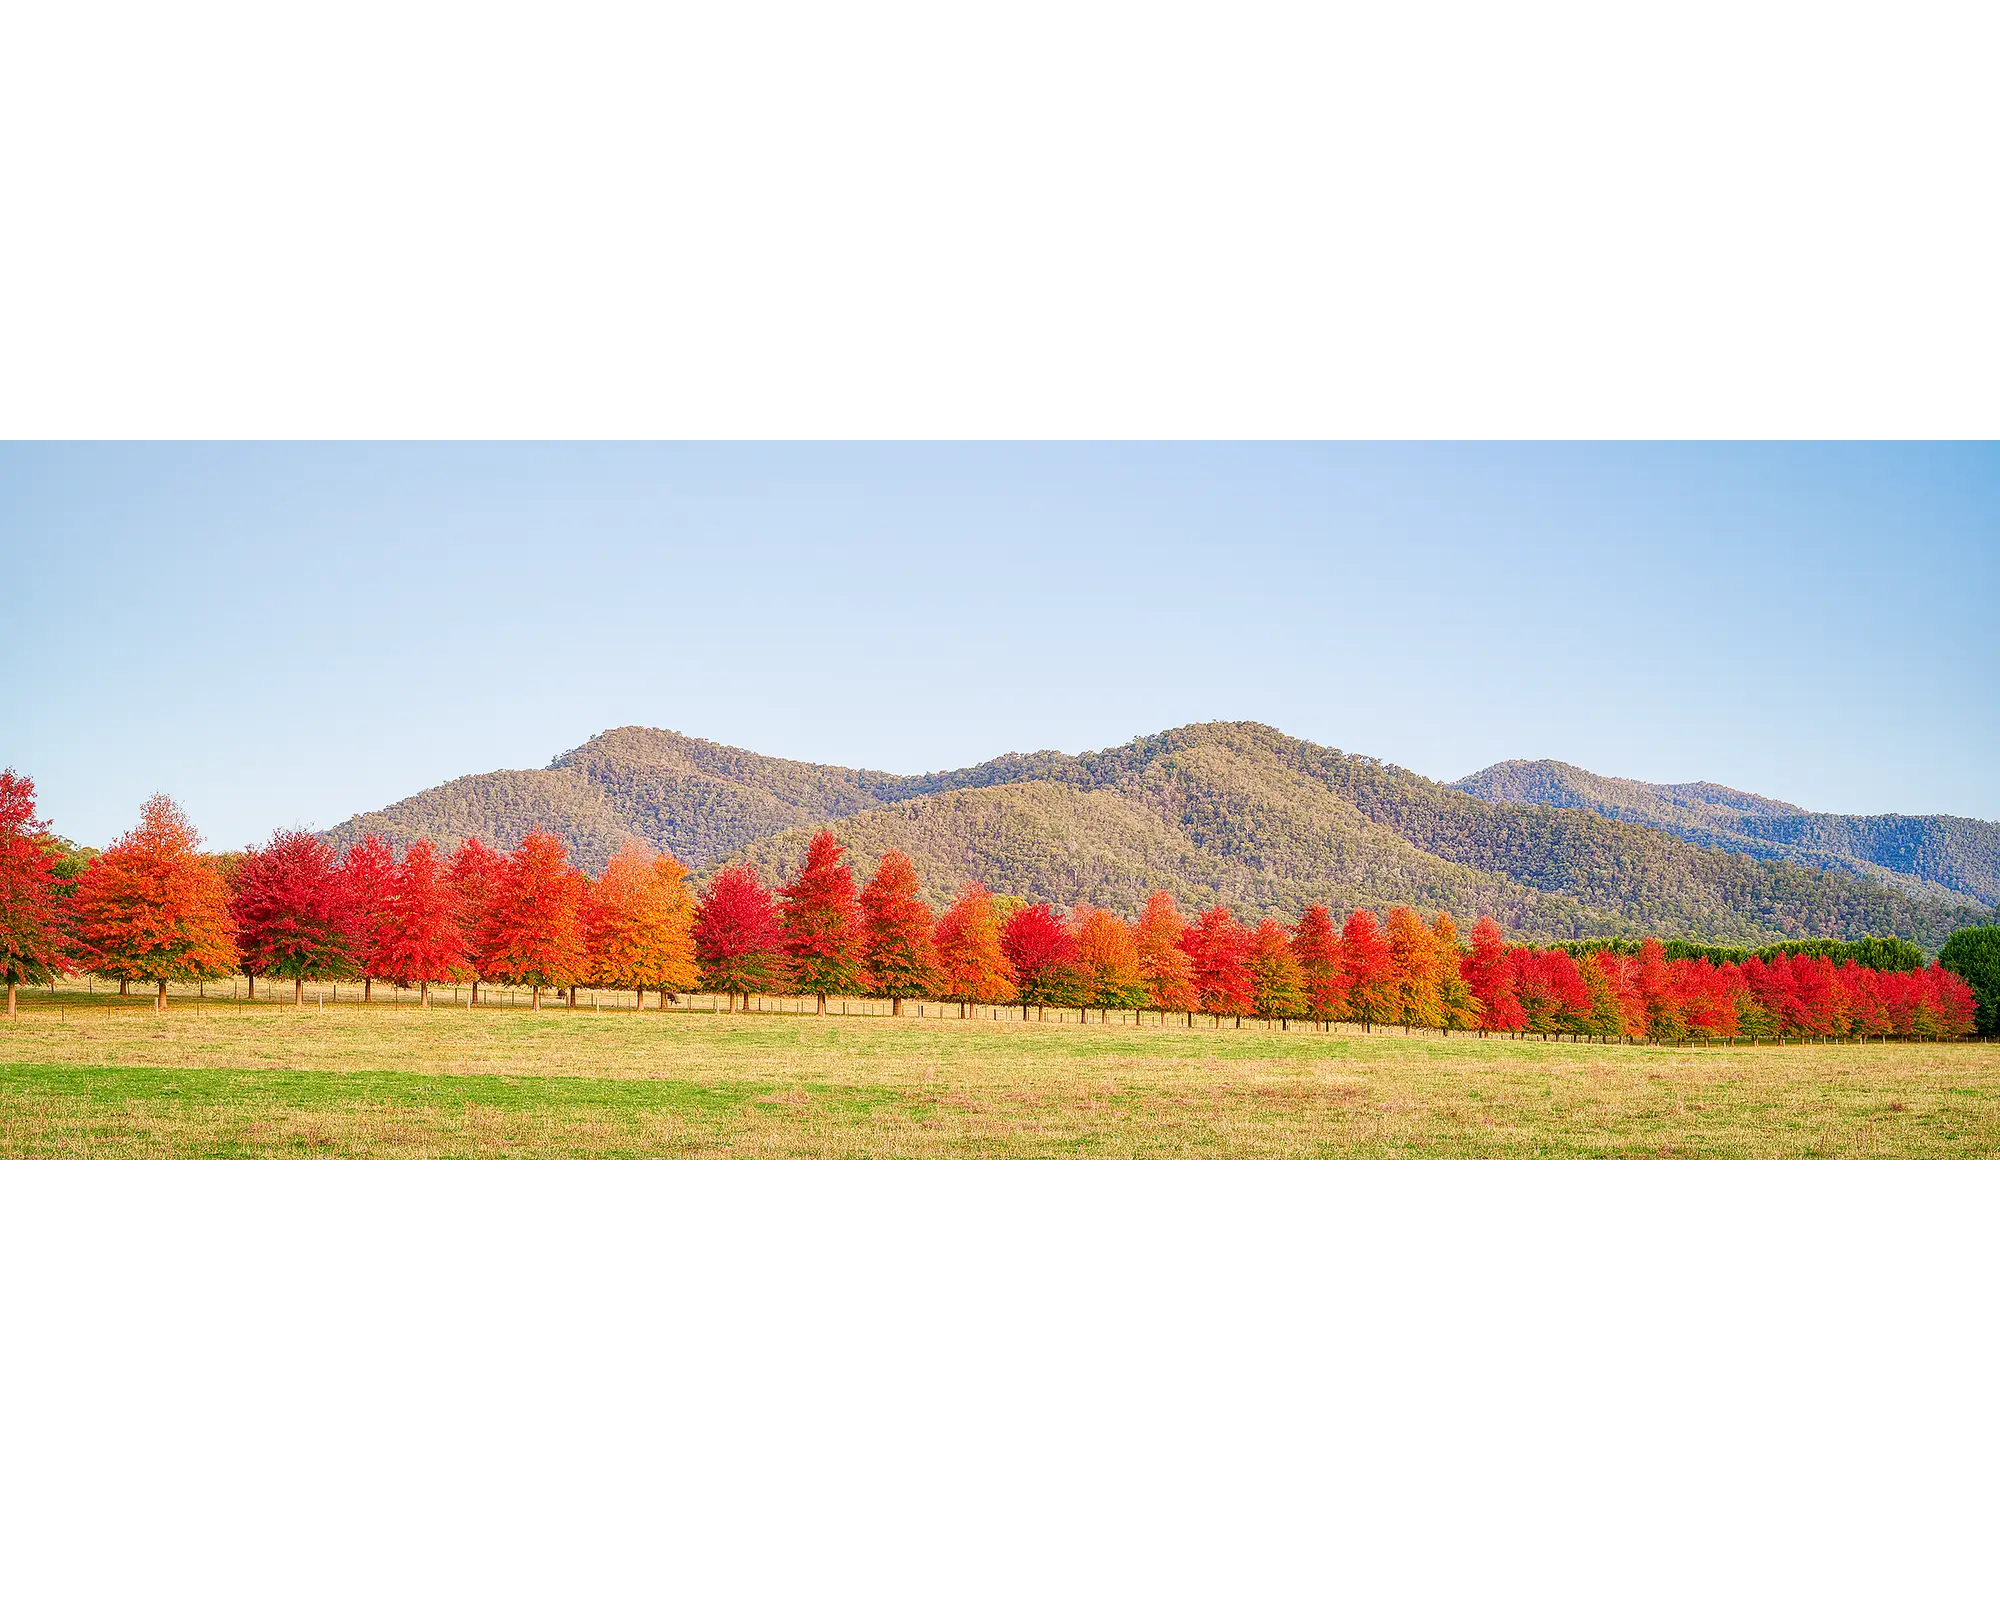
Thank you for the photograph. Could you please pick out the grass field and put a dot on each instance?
(100, 1079)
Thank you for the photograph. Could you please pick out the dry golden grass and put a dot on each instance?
(230, 1080)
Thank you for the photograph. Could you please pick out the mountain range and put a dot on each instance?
(1239, 814)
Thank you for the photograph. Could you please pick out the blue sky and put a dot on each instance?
(283, 635)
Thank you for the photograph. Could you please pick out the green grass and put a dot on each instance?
(102, 1079)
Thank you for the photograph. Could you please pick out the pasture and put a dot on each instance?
(91, 1076)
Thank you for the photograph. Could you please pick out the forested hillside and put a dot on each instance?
(1235, 813)
(1926, 855)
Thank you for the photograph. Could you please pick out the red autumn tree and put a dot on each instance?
(1218, 947)
(1371, 970)
(368, 875)
(637, 925)
(292, 913)
(1168, 972)
(899, 950)
(153, 908)
(821, 919)
(419, 939)
(1043, 950)
(1491, 979)
(533, 930)
(736, 936)
(476, 870)
(1316, 945)
(30, 938)
(972, 967)
(1108, 953)
(1277, 982)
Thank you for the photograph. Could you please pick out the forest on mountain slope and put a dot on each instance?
(1231, 813)
(1922, 855)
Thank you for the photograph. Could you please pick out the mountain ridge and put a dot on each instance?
(1233, 812)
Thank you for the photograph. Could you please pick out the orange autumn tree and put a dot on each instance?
(1109, 955)
(899, 955)
(152, 908)
(821, 920)
(1166, 967)
(973, 969)
(1316, 944)
(533, 930)
(637, 926)
(1456, 1003)
(1413, 956)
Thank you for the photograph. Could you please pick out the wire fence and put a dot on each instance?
(282, 993)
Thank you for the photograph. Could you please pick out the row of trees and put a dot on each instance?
(153, 908)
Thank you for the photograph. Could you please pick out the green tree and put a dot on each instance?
(1974, 954)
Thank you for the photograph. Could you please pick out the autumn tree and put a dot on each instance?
(821, 919)
(972, 967)
(1218, 948)
(1316, 946)
(1108, 953)
(30, 936)
(736, 936)
(1414, 957)
(368, 874)
(419, 939)
(1487, 973)
(153, 908)
(475, 872)
(899, 950)
(1043, 952)
(1168, 972)
(532, 933)
(1277, 982)
(637, 926)
(292, 913)
(1457, 1008)
(1371, 970)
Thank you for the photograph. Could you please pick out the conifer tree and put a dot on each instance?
(1043, 952)
(1168, 972)
(368, 874)
(294, 918)
(899, 952)
(153, 908)
(1316, 944)
(1277, 983)
(1218, 946)
(821, 919)
(736, 936)
(1371, 971)
(1108, 953)
(30, 935)
(533, 928)
(419, 937)
(973, 969)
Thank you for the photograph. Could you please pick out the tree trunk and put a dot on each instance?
(162, 1001)
(475, 991)
(11, 986)
(895, 1005)
(367, 990)
(572, 997)
(424, 993)
(299, 992)
(253, 984)
(122, 982)
(820, 1005)
(536, 1003)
